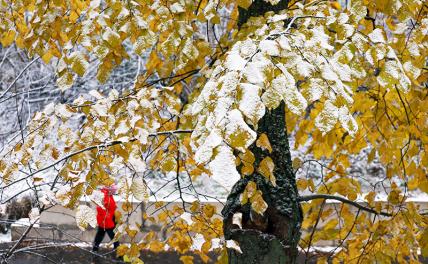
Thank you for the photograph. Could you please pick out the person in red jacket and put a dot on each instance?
(105, 219)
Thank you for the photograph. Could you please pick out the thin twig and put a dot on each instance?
(19, 76)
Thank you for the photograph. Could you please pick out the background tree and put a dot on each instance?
(217, 103)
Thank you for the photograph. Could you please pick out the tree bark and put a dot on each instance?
(273, 237)
(258, 8)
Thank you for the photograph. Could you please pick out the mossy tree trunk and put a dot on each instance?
(273, 237)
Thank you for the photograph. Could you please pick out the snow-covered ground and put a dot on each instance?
(6, 237)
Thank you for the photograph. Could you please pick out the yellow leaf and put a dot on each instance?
(331, 224)
(121, 250)
(263, 143)
(47, 56)
(423, 240)
(187, 259)
(223, 258)
(336, 5)
(247, 160)
(311, 185)
(134, 252)
(159, 204)
(370, 198)
(79, 63)
(322, 260)
(258, 204)
(169, 164)
(195, 206)
(249, 192)
(156, 246)
(206, 246)
(266, 168)
(247, 169)
(112, 38)
(8, 38)
(302, 184)
(394, 197)
(73, 16)
(297, 163)
(55, 153)
(209, 210)
(103, 72)
(245, 3)
(37, 179)
(391, 23)
(127, 207)
(137, 261)
(143, 42)
(371, 155)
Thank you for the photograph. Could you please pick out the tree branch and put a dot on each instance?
(106, 144)
(15, 246)
(19, 76)
(306, 198)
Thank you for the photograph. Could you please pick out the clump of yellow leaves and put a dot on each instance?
(254, 197)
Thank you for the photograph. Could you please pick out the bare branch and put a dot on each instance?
(307, 198)
(19, 76)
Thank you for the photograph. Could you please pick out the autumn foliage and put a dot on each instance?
(353, 77)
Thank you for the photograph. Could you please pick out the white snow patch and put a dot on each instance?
(204, 152)
(250, 104)
(4, 238)
(234, 61)
(376, 36)
(223, 168)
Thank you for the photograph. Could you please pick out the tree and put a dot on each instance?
(222, 102)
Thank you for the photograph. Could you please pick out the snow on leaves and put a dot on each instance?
(238, 134)
(331, 114)
(205, 151)
(262, 71)
(65, 81)
(139, 189)
(376, 36)
(223, 167)
(79, 63)
(85, 216)
(250, 103)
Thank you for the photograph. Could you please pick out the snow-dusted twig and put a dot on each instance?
(9, 253)
(307, 198)
(19, 76)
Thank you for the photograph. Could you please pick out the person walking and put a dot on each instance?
(105, 219)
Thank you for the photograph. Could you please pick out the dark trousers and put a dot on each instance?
(100, 236)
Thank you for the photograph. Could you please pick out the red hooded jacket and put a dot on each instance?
(105, 217)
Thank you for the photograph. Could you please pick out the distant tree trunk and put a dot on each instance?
(273, 237)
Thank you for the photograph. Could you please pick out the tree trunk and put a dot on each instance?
(273, 237)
